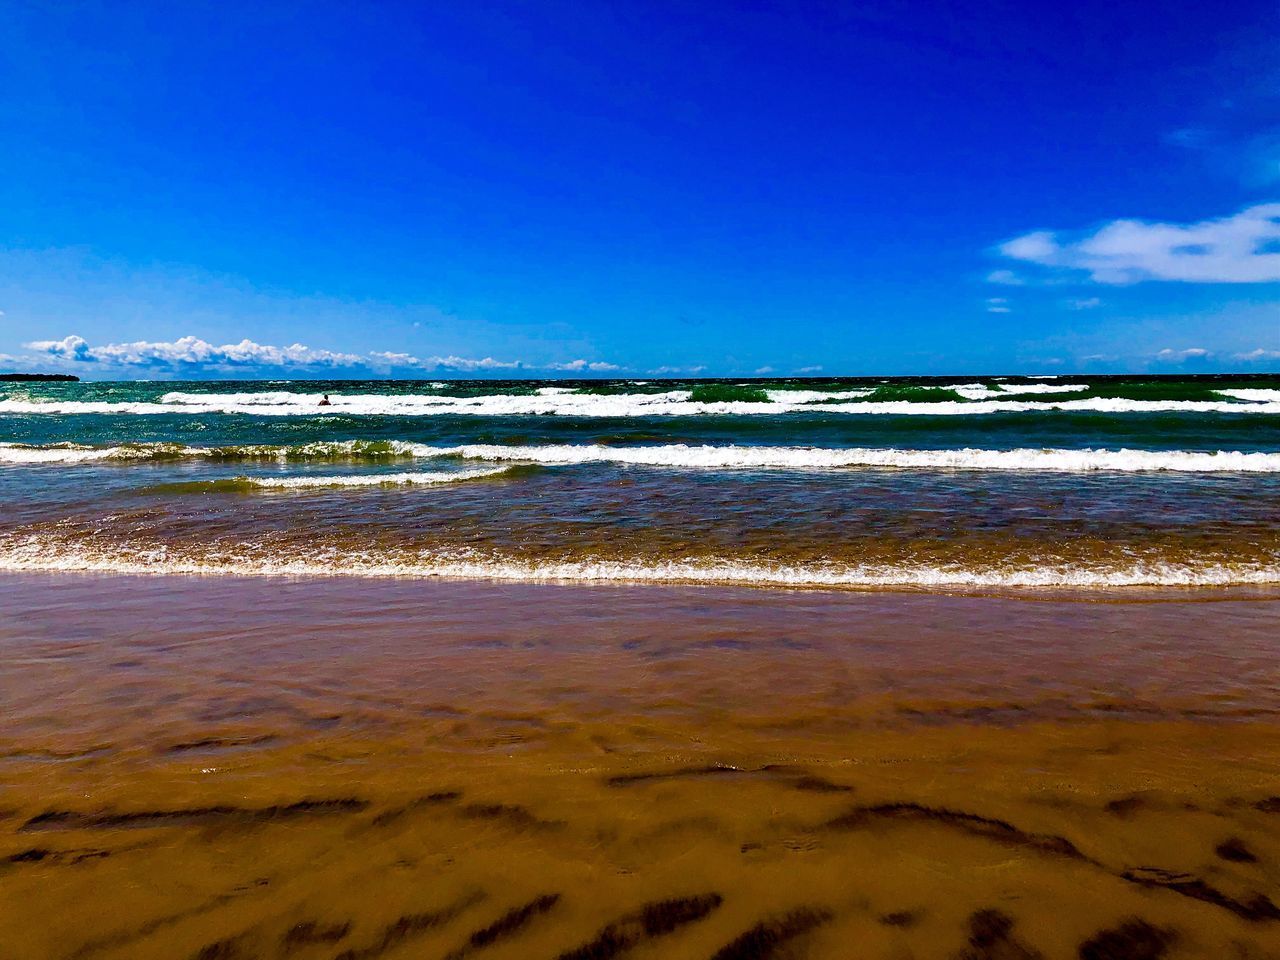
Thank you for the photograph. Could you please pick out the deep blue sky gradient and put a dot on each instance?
(731, 186)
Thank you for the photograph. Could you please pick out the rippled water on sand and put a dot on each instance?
(229, 768)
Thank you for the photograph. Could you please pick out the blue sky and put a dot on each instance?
(586, 189)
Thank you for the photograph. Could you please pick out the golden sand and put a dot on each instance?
(255, 769)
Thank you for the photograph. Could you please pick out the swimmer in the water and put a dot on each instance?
(326, 402)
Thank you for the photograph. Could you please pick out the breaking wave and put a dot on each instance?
(954, 400)
(327, 450)
(730, 457)
(305, 482)
(1253, 396)
(35, 553)
(802, 458)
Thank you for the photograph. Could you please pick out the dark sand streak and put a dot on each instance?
(649, 922)
(1259, 907)
(509, 924)
(193, 816)
(410, 926)
(766, 938)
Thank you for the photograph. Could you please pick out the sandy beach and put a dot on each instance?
(237, 768)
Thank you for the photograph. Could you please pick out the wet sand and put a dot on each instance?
(235, 768)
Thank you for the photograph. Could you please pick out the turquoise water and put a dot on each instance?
(1072, 481)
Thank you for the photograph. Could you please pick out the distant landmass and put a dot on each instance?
(39, 377)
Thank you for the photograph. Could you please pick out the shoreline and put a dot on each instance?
(584, 574)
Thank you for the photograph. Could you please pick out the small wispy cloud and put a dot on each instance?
(1083, 303)
(998, 305)
(1241, 140)
(1005, 277)
(667, 371)
(468, 364)
(1258, 355)
(1243, 248)
(1169, 355)
(389, 358)
(382, 359)
(595, 366)
(194, 355)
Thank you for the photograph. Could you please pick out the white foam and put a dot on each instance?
(64, 453)
(55, 453)
(809, 458)
(370, 480)
(1255, 396)
(791, 398)
(673, 455)
(675, 403)
(980, 391)
(37, 554)
(970, 391)
(319, 449)
(1016, 388)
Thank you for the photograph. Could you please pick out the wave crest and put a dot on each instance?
(326, 450)
(305, 482)
(678, 455)
(801, 458)
(893, 400)
(39, 554)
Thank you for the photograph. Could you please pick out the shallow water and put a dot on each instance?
(235, 768)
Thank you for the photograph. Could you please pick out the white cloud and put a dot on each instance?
(998, 305)
(1254, 356)
(387, 358)
(192, 353)
(1083, 303)
(468, 364)
(1169, 355)
(816, 368)
(1006, 277)
(667, 370)
(763, 370)
(1244, 248)
(1036, 247)
(597, 366)
(68, 348)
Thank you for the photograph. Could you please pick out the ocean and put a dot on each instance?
(504, 670)
(1073, 482)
